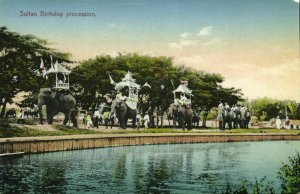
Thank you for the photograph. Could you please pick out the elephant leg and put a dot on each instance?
(40, 113)
(66, 118)
(189, 125)
(134, 121)
(112, 122)
(122, 121)
(182, 123)
(125, 122)
(174, 122)
(73, 119)
(49, 116)
(223, 124)
(220, 125)
(229, 124)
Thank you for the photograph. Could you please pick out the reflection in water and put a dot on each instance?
(119, 172)
(184, 168)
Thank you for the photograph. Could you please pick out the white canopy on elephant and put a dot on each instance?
(183, 89)
(127, 81)
(186, 94)
(58, 68)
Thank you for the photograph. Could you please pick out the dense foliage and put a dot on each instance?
(290, 175)
(268, 108)
(20, 56)
(91, 77)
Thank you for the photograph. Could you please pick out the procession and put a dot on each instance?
(129, 105)
(149, 96)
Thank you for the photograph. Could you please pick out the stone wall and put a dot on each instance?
(75, 142)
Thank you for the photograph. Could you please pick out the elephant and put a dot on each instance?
(56, 101)
(181, 114)
(123, 113)
(227, 118)
(246, 119)
(236, 118)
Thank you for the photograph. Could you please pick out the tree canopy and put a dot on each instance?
(91, 77)
(20, 56)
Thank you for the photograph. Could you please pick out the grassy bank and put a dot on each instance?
(7, 130)
(11, 130)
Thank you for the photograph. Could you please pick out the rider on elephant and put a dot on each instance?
(183, 100)
(119, 98)
(220, 114)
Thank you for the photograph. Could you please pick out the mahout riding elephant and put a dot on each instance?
(56, 101)
(227, 117)
(124, 112)
(181, 114)
(10, 113)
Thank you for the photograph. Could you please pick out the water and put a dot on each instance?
(181, 168)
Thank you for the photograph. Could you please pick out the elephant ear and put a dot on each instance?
(46, 92)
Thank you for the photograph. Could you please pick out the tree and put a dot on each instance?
(20, 57)
(292, 107)
(289, 175)
(91, 77)
(266, 108)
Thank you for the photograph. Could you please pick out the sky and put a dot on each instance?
(253, 44)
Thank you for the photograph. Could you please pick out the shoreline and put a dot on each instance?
(42, 144)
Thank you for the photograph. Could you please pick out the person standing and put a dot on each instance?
(138, 120)
(219, 117)
(287, 123)
(96, 121)
(278, 122)
(146, 120)
(89, 120)
(106, 118)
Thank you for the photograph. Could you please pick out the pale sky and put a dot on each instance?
(253, 44)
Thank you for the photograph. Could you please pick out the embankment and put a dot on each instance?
(75, 142)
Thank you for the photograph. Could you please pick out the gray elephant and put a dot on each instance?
(246, 119)
(181, 114)
(56, 101)
(227, 118)
(124, 112)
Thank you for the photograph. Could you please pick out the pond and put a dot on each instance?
(180, 168)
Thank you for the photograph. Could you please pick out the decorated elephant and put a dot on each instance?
(181, 114)
(56, 101)
(123, 113)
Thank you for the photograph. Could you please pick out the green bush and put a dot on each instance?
(289, 175)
